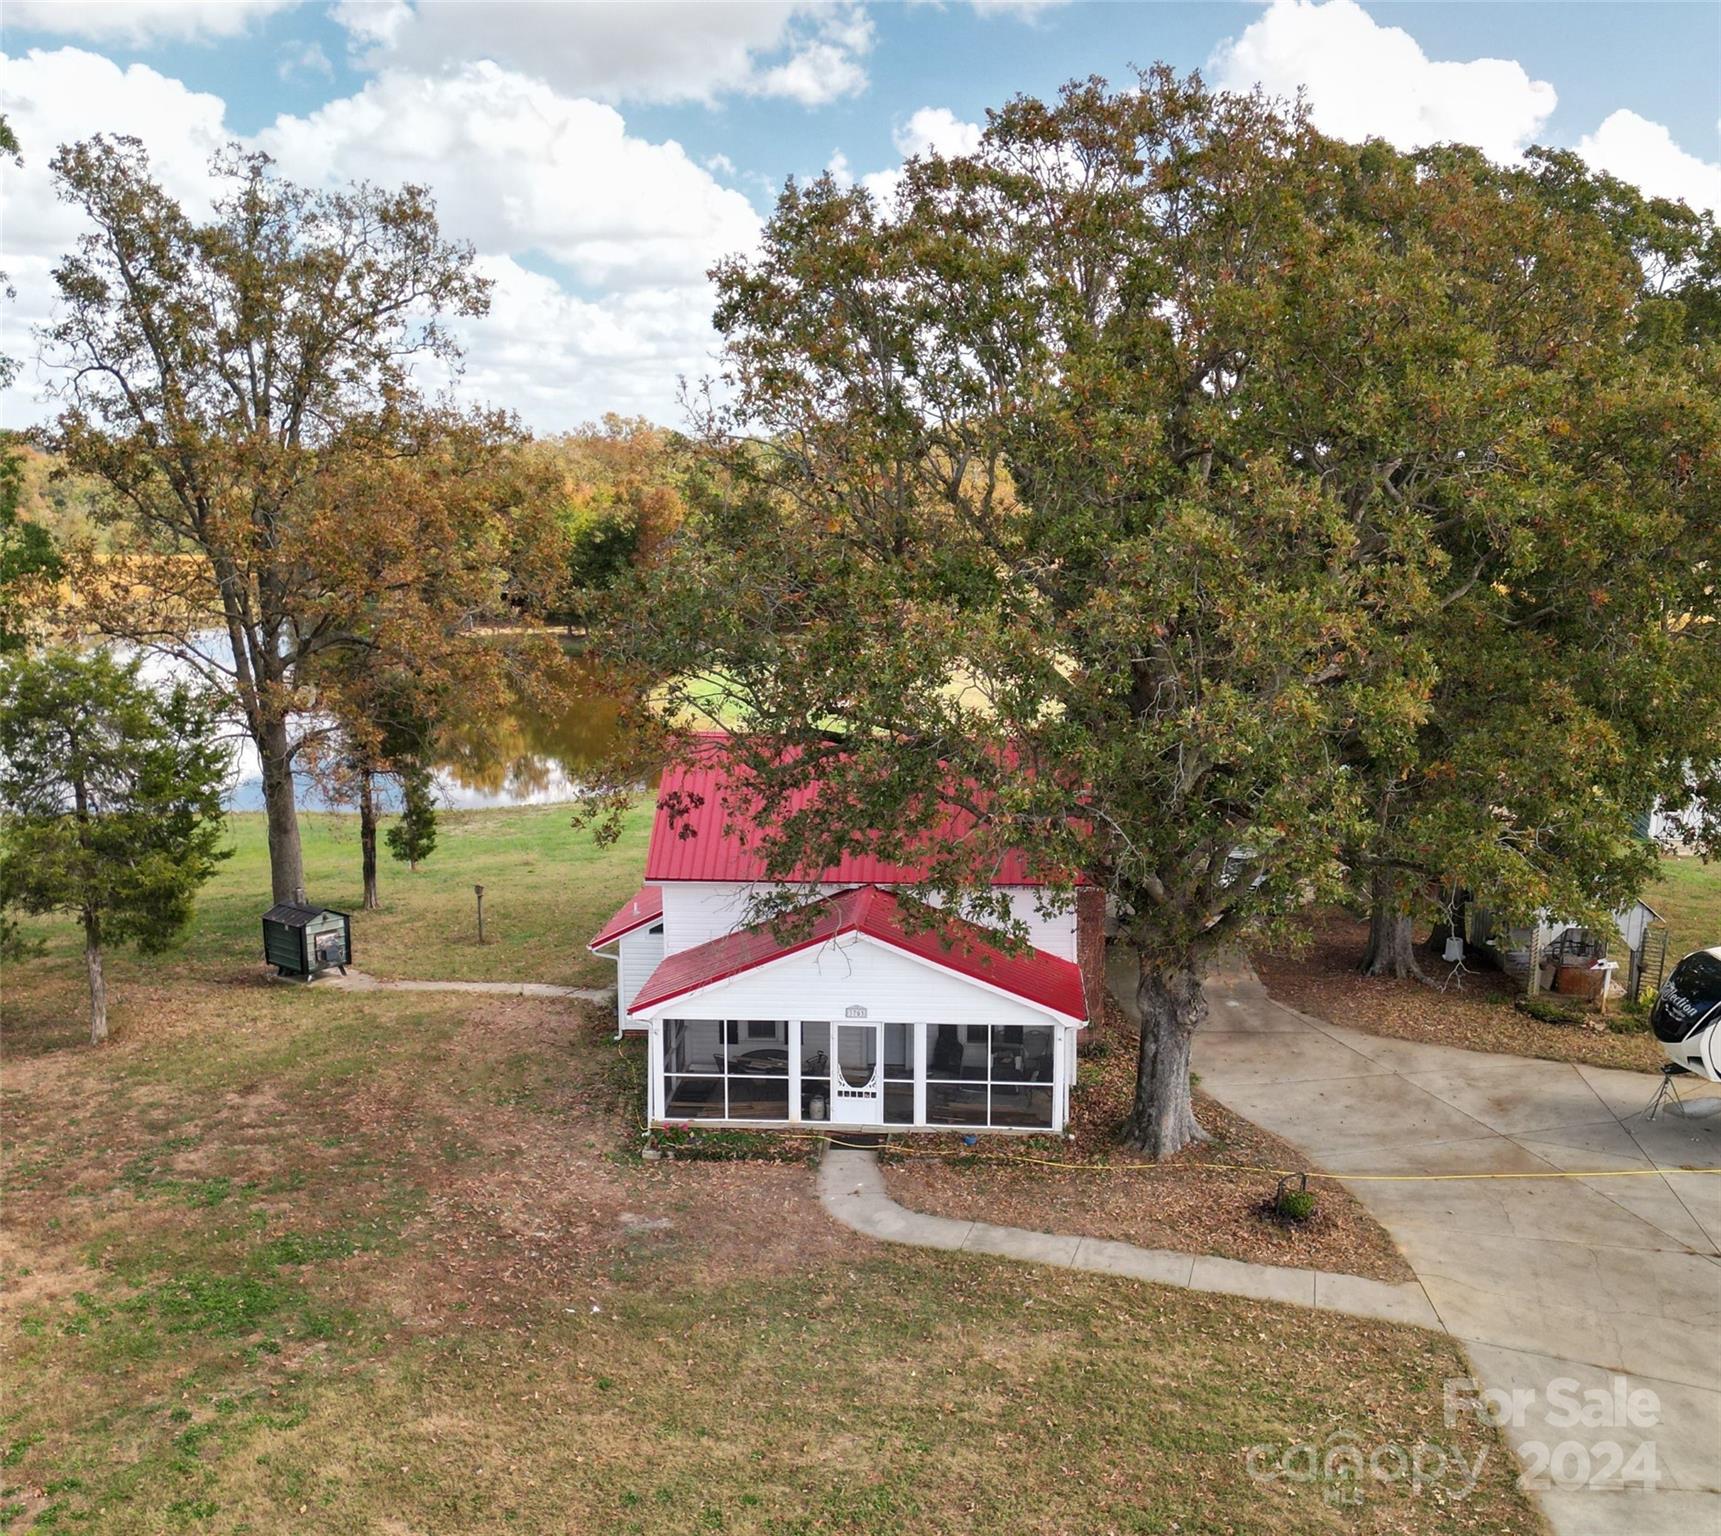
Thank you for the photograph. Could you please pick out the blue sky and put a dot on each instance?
(600, 155)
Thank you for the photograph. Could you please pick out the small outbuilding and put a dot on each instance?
(303, 941)
(1537, 954)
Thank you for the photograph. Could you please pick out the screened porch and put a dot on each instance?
(860, 1072)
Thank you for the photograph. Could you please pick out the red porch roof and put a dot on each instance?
(954, 945)
(644, 906)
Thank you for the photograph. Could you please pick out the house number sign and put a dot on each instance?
(854, 1011)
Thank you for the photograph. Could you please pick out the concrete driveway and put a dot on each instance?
(1559, 1289)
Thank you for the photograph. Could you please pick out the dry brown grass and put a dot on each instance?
(287, 1260)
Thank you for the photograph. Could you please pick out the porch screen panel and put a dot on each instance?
(898, 1073)
(815, 1070)
(693, 1070)
(726, 1069)
(990, 1075)
(759, 1069)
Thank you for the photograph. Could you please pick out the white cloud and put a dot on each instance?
(817, 73)
(808, 51)
(561, 360)
(518, 167)
(928, 131)
(525, 173)
(55, 97)
(1366, 80)
(1026, 10)
(305, 61)
(936, 130)
(1643, 152)
(373, 23)
(140, 23)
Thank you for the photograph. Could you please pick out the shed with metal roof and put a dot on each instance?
(303, 940)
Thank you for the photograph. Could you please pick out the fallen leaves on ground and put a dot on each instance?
(1323, 979)
(1176, 1204)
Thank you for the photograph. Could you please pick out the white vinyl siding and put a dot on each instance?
(824, 980)
(696, 911)
(639, 954)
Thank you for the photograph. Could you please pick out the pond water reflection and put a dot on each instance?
(528, 755)
(523, 755)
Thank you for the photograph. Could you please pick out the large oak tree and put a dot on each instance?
(1105, 483)
(1569, 690)
(243, 386)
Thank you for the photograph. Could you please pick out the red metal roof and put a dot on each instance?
(714, 835)
(644, 906)
(953, 944)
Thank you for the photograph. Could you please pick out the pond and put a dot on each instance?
(520, 756)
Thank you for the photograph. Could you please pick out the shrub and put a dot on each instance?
(1295, 1204)
(725, 1146)
(1546, 1010)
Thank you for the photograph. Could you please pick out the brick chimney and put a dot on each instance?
(1091, 949)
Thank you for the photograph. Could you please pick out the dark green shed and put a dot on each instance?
(303, 941)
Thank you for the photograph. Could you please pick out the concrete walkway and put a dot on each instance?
(1548, 1283)
(358, 981)
(853, 1191)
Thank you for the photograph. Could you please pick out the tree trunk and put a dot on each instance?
(1391, 951)
(367, 836)
(1172, 1005)
(98, 985)
(286, 862)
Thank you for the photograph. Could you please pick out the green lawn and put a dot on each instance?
(286, 1259)
(1688, 896)
(547, 889)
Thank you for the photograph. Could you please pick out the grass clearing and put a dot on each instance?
(410, 1298)
(548, 888)
(282, 1259)
(1687, 894)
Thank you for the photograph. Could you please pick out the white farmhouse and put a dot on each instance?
(864, 1018)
